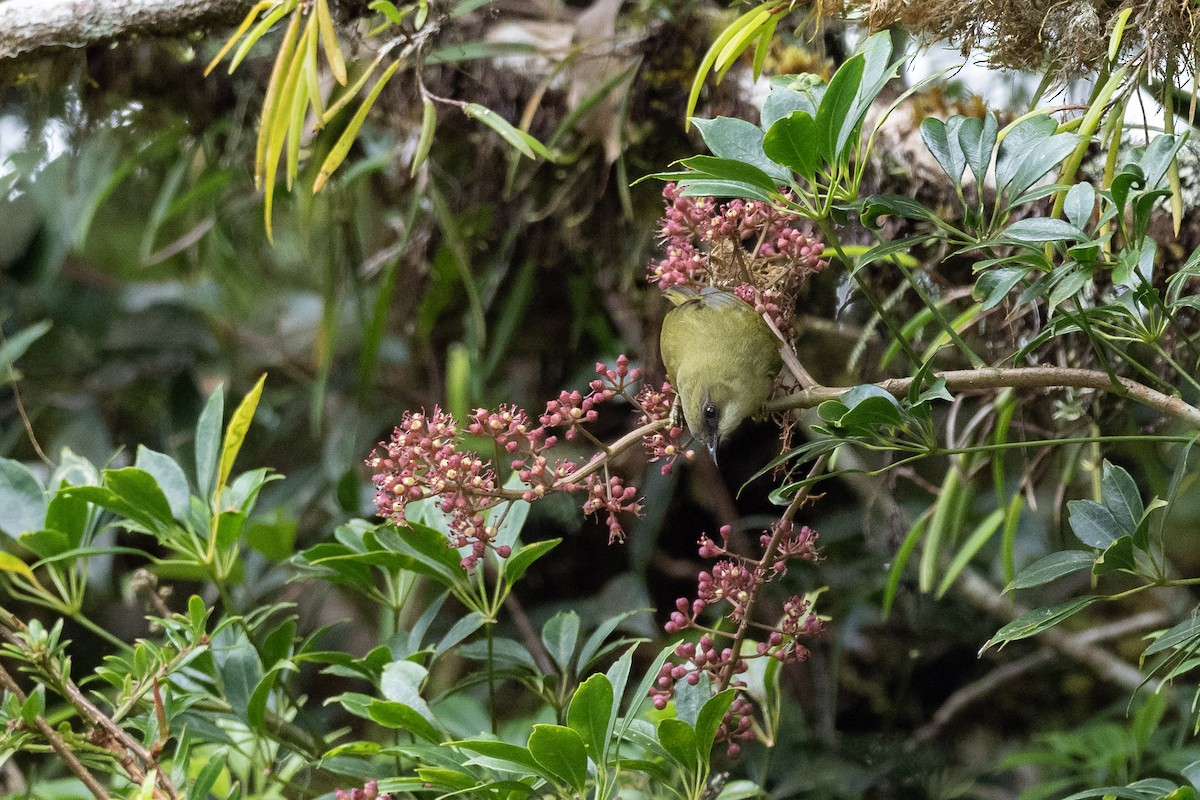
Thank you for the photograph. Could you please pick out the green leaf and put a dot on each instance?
(239, 668)
(1043, 229)
(561, 752)
(792, 142)
(1118, 556)
(709, 720)
(1050, 567)
(974, 543)
(169, 476)
(206, 778)
(977, 138)
(145, 501)
(23, 502)
(590, 714)
(1185, 634)
(834, 123)
(399, 716)
(1093, 524)
(1079, 204)
(994, 286)
(943, 142)
(1038, 620)
(739, 140)
(208, 441)
(679, 740)
(1121, 497)
(791, 93)
(709, 187)
(560, 634)
(341, 148)
(525, 144)
(34, 705)
(504, 751)
(731, 170)
(515, 567)
(15, 345)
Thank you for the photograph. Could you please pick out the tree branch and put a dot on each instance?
(1016, 378)
(31, 27)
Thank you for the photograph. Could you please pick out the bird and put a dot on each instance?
(721, 359)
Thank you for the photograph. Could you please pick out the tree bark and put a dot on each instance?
(32, 27)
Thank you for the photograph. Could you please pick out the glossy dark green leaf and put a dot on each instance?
(710, 718)
(977, 138)
(1121, 497)
(1050, 567)
(561, 752)
(1093, 524)
(1034, 622)
(792, 142)
(739, 140)
(515, 567)
(391, 714)
(590, 714)
(679, 740)
(1043, 229)
(1117, 556)
(834, 122)
(942, 140)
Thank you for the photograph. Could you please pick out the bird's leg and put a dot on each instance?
(676, 412)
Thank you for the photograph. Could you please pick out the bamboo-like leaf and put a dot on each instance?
(428, 125)
(710, 58)
(333, 52)
(522, 141)
(274, 83)
(740, 41)
(1114, 41)
(245, 26)
(763, 48)
(277, 128)
(299, 106)
(350, 93)
(342, 147)
(260, 29)
(312, 75)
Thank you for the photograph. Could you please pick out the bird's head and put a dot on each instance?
(713, 409)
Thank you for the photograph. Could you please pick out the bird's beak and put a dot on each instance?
(712, 443)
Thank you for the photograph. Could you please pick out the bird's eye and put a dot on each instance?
(710, 412)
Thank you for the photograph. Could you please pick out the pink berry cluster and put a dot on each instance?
(369, 791)
(663, 445)
(736, 580)
(705, 242)
(425, 458)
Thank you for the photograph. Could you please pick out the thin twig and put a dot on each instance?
(966, 380)
(56, 742)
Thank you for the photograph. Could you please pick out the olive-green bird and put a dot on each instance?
(721, 358)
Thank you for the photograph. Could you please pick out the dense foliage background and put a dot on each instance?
(142, 301)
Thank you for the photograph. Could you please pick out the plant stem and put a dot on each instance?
(967, 380)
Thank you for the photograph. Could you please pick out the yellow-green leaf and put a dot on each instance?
(333, 52)
(274, 84)
(260, 29)
(235, 432)
(350, 93)
(312, 78)
(10, 563)
(246, 23)
(277, 128)
(522, 141)
(710, 58)
(740, 41)
(428, 125)
(763, 48)
(342, 147)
